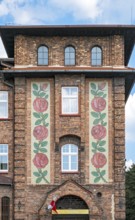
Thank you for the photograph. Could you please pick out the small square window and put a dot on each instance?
(3, 104)
(69, 100)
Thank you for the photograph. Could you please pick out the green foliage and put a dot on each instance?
(130, 193)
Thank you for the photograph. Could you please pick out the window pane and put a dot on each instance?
(74, 149)
(70, 100)
(3, 104)
(65, 148)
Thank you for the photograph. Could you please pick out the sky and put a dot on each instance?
(68, 12)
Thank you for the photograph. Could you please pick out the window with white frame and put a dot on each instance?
(3, 104)
(69, 158)
(3, 157)
(69, 100)
(43, 55)
(69, 55)
(96, 56)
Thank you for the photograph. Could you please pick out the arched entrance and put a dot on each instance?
(71, 207)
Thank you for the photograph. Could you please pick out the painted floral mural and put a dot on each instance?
(40, 132)
(98, 132)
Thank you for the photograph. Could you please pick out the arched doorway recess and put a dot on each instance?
(71, 207)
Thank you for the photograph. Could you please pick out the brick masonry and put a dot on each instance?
(16, 131)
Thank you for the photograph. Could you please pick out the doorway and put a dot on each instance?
(71, 204)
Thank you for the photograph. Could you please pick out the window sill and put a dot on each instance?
(6, 119)
(69, 115)
(69, 172)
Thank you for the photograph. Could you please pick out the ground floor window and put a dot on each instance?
(5, 208)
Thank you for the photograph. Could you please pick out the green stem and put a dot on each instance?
(98, 171)
(42, 116)
(40, 171)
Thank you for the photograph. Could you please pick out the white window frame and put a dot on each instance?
(69, 154)
(4, 101)
(4, 154)
(70, 99)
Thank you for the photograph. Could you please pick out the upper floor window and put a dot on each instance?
(5, 208)
(3, 104)
(3, 157)
(96, 56)
(69, 160)
(69, 55)
(69, 100)
(42, 55)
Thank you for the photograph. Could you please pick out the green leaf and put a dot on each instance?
(35, 86)
(35, 151)
(36, 115)
(39, 179)
(46, 96)
(102, 172)
(96, 121)
(94, 144)
(102, 143)
(35, 93)
(94, 151)
(36, 144)
(103, 115)
(95, 114)
(41, 94)
(43, 150)
(45, 116)
(44, 173)
(93, 86)
(100, 94)
(36, 174)
(46, 124)
(101, 149)
(94, 173)
(104, 123)
(38, 122)
(104, 96)
(97, 179)
(93, 92)
(43, 144)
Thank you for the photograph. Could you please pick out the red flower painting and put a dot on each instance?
(98, 104)
(40, 105)
(40, 160)
(98, 132)
(40, 132)
(98, 160)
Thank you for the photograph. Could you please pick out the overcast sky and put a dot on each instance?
(55, 12)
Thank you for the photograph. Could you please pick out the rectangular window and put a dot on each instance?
(69, 100)
(3, 104)
(3, 157)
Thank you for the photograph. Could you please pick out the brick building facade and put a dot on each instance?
(63, 91)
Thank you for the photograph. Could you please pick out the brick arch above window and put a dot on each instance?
(96, 55)
(70, 139)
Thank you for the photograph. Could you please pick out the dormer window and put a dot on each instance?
(96, 56)
(69, 56)
(43, 55)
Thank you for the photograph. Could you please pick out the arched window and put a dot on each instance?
(69, 55)
(69, 158)
(42, 55)
(96, 56)
(5, 208)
